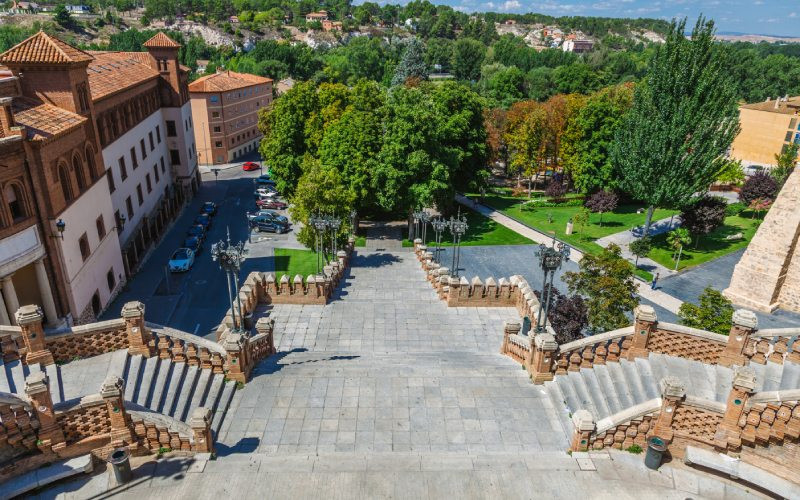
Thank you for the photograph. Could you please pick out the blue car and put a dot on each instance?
(203, 220)
(209, 208)
(197, 230)
(181, 261)
(194, 244)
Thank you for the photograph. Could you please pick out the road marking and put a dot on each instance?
(197, 327)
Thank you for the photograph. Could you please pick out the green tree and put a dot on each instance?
(785, 163)
(606, 281)
(684, 118)
(439, 52)
(640, 248)
(468, 55)
(713, 314)
(525, 137)
(677, 239)
(731, 172)
(412, 65)
(575, 78)
(62, 16)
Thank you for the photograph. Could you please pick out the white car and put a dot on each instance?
(266, 193)
(182, 260)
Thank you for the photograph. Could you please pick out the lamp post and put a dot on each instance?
(424, 218)
(550, 260)
(458, 226)
(60, 226)
(438, 224)
(230, 257)
(334, 223)
(353, 215)
(319, 224)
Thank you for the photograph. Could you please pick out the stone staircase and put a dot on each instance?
(605, 390)
(172, 389)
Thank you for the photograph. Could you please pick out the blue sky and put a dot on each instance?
(772, 17)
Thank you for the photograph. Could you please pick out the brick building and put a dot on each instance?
(225, 107)
(65, 115)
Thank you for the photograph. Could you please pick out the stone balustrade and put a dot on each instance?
(18, 424)
(11, 344)
(776, 345)
(182, 347)
(88, 340)
(597, 349)
(262, 345)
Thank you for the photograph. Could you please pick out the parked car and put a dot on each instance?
(262, 223)
(264, 180)
(197, 230)
(282, 219)
(265, 193)
(271, 204)
(193, 243)
(203, 220)
(209, 208)
(249, 165)
(182, 260)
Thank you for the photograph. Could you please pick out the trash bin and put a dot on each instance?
(120, 460)
(655, 453)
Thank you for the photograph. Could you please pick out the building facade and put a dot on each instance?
(767, 129)
(225, 108)
(68, 117)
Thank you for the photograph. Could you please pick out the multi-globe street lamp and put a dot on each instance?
(550, 260)
(319, 224)
(458, 226)
(230, 257)
(439, 224)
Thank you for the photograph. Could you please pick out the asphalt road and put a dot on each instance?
(196, 301)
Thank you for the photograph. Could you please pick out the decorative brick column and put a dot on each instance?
(29, 318)
(200, 422)
(584, 427)
(112, 392)
(138, 335)
(729, 435)
(37, 388)
(744, 324)
(673, 391)
(236, 361)
(543, 350)
(509, 328)
(267, 325)
(645, 322)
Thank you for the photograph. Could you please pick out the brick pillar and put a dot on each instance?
(29, 318)
(236, 361)
(200, 422)
(112, 392)
(744, 324)
(543, 350)
(37, 388)
(509, 328)
(673, 391)
(454, 291)
(729, 434)
(138, 335)
(267, 325)
(645, 322)
(584, 427)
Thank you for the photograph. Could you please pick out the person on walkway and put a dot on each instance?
(655, 280)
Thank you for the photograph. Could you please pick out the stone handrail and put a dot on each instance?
(183, 347)
(18, 424)
(649, 407)
(519, 348)
(12, 399)
(597, 349)
(774, 397)
(695, 332)
(186, 337)
(261, 346)
(11, 346)
(775, 344)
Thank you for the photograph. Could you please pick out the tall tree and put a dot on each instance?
(684, 118)
(468, 55)
(526, 137)
(412, 65)
(714, 313)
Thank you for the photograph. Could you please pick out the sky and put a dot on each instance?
(765, 17)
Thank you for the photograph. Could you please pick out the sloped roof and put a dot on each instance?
(225, 81)
(788, 107)
(42, 48)
(111, 72)
(44, 121)
(160, 40)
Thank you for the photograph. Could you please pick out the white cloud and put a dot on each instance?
(509, 5)
(793, 14)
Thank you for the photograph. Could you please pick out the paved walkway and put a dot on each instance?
(625, 238)
(666, 301)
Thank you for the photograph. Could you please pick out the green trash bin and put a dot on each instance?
(655, 453)
(120, 460)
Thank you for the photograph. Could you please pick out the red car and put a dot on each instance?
(249, 166)
(270, 204)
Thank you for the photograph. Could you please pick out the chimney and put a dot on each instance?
(778, 102)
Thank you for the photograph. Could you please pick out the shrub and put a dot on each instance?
(555, 190)
(714, 313)
(735, 208)
(602, 201)
(704, 215)
(634, 448)
(759, 186)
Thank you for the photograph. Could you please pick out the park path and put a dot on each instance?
(664, 300)
(624, 238)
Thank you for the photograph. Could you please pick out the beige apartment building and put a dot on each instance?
(225, 109)
(767, 128)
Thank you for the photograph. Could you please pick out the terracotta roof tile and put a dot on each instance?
(42, 48)
(161, 40)
(111, 72)
(44, 121)
(225, 81)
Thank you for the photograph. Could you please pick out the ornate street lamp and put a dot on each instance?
(424, 218)
(230, 257)
(60, 226)
(353, 215)
(334, 223)
(550, 260)
(458, 226)
(438, 225)
(319, 224)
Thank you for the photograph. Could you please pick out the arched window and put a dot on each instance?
(66, 185)
(77, 166)
(15, 201)
(90, 162)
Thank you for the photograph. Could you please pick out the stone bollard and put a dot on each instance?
(729, 434)
(673, 391)
(236, 361)
(745, 323)
(644, 324)
(200, 422)
(138, 335)
(112, 392)
(29, 318)
(51, 435)
(543, 351)
(584, 427)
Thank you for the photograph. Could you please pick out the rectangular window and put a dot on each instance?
(788, 136)
(171, 130)
(110, 178)
(174, 157)
(213, 98)
(111, 280)
(144, 151)
(118, 220)
(150, 138)
(83, 243)
(792, 123)
(139, 194)
(149, 185)
(129, 206)
(218, 144)
(186, 125)
(163, 169)
(123, 171)
(217, 130)
(134, 160)
(101, 228)
(158, 134)
(215, 114)
(155, 173)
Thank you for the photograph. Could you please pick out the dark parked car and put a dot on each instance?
(209, 208)
(197, 230)
(264, 181)
(204, 220)
(270, 204)
(281, 219)
(193, 243)
(265, 223)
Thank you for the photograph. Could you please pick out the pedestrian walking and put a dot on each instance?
(655, 280)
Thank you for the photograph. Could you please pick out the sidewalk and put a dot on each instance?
(664, 300)
(624, 238)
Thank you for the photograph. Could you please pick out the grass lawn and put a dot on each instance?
(292, 262)
(709, 247)
(480, 231)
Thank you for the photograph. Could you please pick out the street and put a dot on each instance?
(196, 301)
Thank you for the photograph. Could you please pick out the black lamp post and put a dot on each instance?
(458, 226)
(319, 224)
(550, 260)
(334, 223)
(60, 226)
(438, 225)
(230, 257)
(353, 215)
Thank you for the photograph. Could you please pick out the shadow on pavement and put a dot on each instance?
(375, 260)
